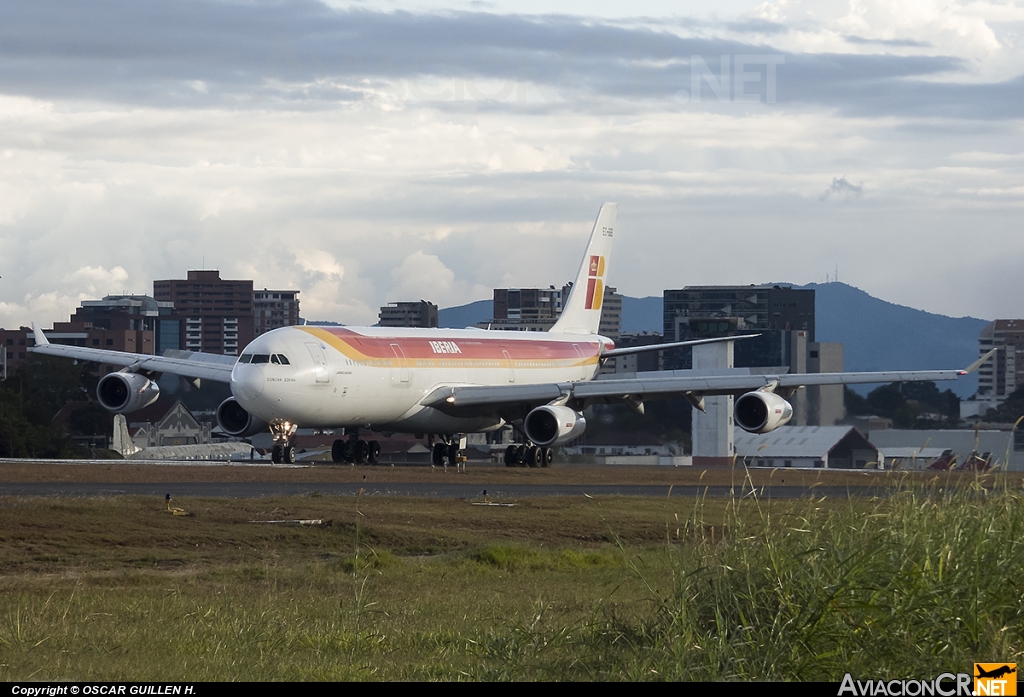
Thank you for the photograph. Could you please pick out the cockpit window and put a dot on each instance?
(283, 358)
(245, 358)
(275, 360)
(260, 358)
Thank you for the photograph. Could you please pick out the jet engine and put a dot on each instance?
(126, 392)
(761, 412)
(236, 421)
(551, 425)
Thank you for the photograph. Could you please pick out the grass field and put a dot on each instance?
(926, 580)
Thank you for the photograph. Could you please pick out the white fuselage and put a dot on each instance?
(329, 377)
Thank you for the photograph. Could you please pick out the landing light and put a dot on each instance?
(451, 399)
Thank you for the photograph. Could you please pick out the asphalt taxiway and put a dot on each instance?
(53, 478)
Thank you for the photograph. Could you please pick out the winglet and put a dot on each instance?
(978, 363)
(38, 335)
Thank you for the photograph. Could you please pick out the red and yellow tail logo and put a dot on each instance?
(995, 679)
(595, 288)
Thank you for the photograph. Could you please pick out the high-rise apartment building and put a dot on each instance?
(273, 309)
(215, 315)
(999, 377)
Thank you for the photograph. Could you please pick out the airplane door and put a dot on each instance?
(403, 367)
(583, 361)
(323, 376)
(511, 366)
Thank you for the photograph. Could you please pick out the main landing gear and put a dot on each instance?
(447, 451)
(355, 451)
(528, 456)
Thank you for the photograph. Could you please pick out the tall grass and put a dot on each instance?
(928, 580)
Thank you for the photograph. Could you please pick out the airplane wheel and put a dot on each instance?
(275, 455)
(360, 451)
(288, 454)
(440, 454)
(533, 456)
(511, 456)
(373, 454)
(547, 456)
(521, 456)
(338, 451)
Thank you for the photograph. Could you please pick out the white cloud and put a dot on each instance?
(361, 200)
(422, 277)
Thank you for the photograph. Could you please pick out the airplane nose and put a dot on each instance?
(248, 382)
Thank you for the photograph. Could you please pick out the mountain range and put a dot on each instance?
(876, 335)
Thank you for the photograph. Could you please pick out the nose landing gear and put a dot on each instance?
(283, 451)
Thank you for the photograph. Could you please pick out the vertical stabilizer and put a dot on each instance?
(122, 441)
(581, 312)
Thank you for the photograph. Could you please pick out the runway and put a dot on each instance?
(106, 478)
(81, 478)
(453, 490)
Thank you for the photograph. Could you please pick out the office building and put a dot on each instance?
(214, 315)
(409, 314)
(784, 318)
(537, 309)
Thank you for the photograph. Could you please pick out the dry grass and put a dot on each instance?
(553, 588)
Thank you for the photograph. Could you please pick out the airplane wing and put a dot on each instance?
(513, 400)
(189, 364)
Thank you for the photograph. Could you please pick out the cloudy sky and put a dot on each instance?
(372, 152)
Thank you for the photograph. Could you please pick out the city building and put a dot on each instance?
(129, 323)
(409, 314)
(273, 309)
(537, 310)
(611, 313)
(526, 309)
(214, 315)
(15, 343)
(784, 318)
(635, 362)
(1004, 373)
(700, 312)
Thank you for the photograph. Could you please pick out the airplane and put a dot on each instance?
(445, 383)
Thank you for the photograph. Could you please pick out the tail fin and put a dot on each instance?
(122, 441)
(581, 312)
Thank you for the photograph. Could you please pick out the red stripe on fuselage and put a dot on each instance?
(453, 348)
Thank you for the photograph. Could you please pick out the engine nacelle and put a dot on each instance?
(761, 412)
(550, 425)
(236, 421)
(126, 392)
